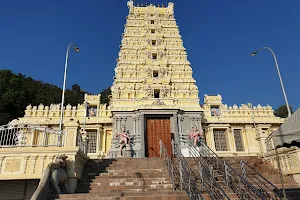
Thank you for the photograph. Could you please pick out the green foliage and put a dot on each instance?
(282, 111)
(105, 96)
(18, 91)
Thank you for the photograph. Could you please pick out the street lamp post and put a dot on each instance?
(76, 49)
(283, 90)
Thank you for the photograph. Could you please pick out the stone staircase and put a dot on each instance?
(147, 178)
(124, 179)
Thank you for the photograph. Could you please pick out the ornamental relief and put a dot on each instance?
(148, 72)
(12, 165)
(295, 160)
(158, 102)
(149, 92)
(163, 72)
(165, 92)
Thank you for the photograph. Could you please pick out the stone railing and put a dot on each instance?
(26, 150)
(241, 111)
(289, 159)
(27, 135)
(235, 111)
(53, 110)
(23, 135)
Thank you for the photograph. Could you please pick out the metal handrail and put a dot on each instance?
(181, 176)
(236, 184)
(262, 181)
(233, 180)
(207, 180)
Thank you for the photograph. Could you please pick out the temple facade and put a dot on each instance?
(155, 97)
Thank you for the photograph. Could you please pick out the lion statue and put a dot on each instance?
(55, 173)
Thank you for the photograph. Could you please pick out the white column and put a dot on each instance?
(134, 124)
(230, 139)
(98, 148)
(211, 141)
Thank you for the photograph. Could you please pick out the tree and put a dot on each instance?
(18, 91)
(282, 111)
(105, 96)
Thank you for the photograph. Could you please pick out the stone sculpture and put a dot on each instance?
(56, 174)
(123, 139)
(195, 135)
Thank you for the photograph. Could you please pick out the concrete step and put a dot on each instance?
(98, 187)
(132, 175)
(135, 170)
(153, 194)
(128, 181)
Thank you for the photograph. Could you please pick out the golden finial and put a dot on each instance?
(162, 5)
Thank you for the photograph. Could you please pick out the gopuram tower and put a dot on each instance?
(154, 96)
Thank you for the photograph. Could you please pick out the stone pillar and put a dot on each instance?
(175, 129)
(99, 148)
(134, 124)
(246, 139)
(138, 124)
(84, 135)
(181, 134)
(138, 136)
(261, 137)
(118, 124)
(142, 132)
(192, 119)
(114, 127)
(113, 149)
(198, 124)
(210, 139)
(230, 139)
(71, 131)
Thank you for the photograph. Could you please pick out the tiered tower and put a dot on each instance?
(152, 69)
(153, 78)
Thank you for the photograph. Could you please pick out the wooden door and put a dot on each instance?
(158, 129)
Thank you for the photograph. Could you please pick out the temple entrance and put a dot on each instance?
(157, 129)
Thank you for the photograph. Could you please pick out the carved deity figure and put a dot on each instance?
(195, 135)
(123, 139)
(214, 112)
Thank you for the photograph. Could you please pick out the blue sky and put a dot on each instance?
(218, 35)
